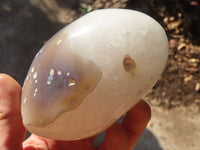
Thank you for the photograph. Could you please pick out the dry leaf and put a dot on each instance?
(174, 24)
(181, 46)
(197, 87)
(193, 3)
(186, 79)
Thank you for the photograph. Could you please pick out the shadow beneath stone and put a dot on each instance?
(147, 141)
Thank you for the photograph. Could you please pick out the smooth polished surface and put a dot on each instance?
(92, 72)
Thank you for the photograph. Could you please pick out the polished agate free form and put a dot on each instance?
(92, 72)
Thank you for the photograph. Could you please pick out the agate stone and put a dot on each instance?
(92, 72)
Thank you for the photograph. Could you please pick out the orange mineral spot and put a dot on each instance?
(129, 64)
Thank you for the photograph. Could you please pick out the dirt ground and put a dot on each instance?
(175, 100)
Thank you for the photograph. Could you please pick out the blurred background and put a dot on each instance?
(25, 25)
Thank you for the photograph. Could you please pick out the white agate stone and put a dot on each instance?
(92, 72)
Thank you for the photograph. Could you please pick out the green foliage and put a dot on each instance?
(85, 8)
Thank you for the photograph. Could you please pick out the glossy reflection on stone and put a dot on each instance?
(57, 79)
(92, 72)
